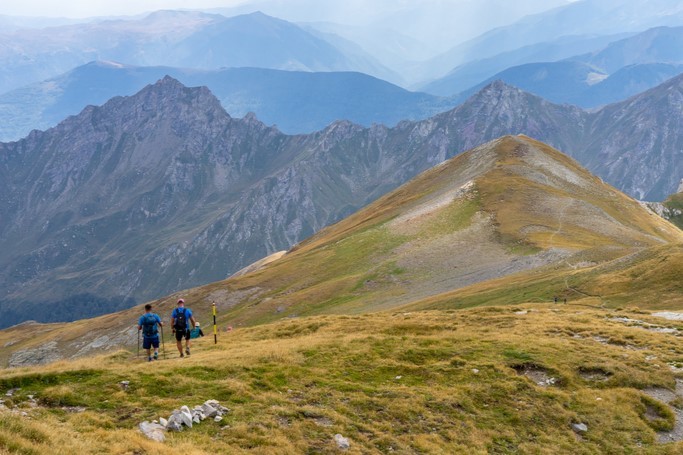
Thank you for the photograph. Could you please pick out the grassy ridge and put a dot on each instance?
(432, 382)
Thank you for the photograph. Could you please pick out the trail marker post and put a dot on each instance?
(163, 345)
(215, 331)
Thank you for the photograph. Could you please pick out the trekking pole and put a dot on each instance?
(163, 345)
(215, 332)
(138, 343)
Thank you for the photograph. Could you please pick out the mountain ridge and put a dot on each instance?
(231, 192)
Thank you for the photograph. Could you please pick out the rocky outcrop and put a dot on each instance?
(183, 418)
(42, 354)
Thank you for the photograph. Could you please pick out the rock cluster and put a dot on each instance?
(183, 417)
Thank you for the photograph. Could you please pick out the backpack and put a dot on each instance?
(181, 319)
(149, 325)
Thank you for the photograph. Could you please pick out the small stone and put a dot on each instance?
(186, 416)
(174, 425)
(341, 441)
(153, 431)
(124, 385)
(163, 422)
(209, 411)
(398, 377)
(217, 419)
(475, 371)
(580, 427)
(196, 419)
(11, 392)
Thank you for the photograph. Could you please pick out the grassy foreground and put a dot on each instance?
(464, 381)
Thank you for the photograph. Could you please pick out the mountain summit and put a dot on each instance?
(104, 203)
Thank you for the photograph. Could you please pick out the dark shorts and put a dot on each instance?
(150, 342)
(180, 334)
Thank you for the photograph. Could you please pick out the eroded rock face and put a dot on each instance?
(45, 353)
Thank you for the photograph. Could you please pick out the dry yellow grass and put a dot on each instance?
(429, 382)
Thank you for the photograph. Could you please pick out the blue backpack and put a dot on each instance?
(149, 325)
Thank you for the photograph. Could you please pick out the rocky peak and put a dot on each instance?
(680, 187)
(169, 88)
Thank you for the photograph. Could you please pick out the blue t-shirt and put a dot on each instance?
(144, 318)
(188, 315)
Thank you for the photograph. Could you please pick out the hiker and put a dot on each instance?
(150, 335)
(196, 332)
(179, 321)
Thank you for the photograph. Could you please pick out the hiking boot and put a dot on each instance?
(149, 359)
(156, 356)
(182, 355)
(187, 351)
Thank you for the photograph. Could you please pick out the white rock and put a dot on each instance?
(196, 419)
(163, 422)
(341, 441)
(174, 425)
(580, 427)
(475, 371)
(209, 410)
(217, 419)
(186, 416)
(153, 431)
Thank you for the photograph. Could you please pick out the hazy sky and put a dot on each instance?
(88, 8)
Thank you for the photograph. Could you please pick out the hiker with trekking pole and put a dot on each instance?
(150, 335)
(180, 319)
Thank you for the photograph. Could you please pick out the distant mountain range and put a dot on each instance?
(621, 69)
(583, 19)
(163, 190)
(178, 39)
(295, 101)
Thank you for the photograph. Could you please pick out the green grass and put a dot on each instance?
(430, 382)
